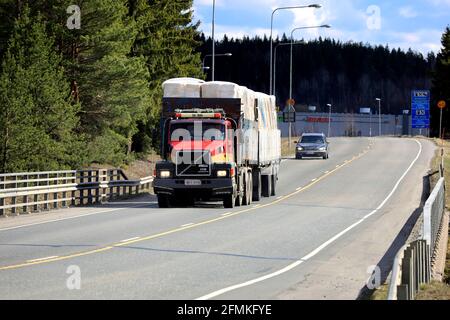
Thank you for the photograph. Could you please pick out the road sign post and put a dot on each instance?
(290, 117)
(441, 105)
(420, 109)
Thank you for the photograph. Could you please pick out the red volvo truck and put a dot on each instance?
(221, 143)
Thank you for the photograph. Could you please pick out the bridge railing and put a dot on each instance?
(413, 263)
(39, 191)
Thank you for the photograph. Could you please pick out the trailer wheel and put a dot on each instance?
(248, 189)
(245, 200)
(274, 185)
(163, 201)
(266, 185)
(256, 185)
(229, 201)
(240, 193)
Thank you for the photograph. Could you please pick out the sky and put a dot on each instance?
(415, 24)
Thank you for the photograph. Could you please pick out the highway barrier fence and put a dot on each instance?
(413, 264)
(41, 191)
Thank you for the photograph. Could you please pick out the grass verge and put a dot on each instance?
(286, 150)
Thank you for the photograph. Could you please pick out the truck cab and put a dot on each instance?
(200, 157)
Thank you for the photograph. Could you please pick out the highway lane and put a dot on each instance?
(87, 233)
(198, 260)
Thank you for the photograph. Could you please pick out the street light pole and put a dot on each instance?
(379, 115)
(329, 121)
(275, 64)
(213, 42)
(292, 46)
(316, 6)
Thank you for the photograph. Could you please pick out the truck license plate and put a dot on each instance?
(192, 182)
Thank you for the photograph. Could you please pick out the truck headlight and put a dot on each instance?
(300, 149)
(323, 149)
(222, 173)
(164, 174)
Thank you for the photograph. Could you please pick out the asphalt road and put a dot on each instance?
(330, 222)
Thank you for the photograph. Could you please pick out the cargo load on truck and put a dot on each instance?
(220, 141)
(182, 87)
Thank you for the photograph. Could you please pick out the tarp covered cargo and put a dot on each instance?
(269, 135)
(259, 142)
(266, 111)
(182, 88)
(220, 89)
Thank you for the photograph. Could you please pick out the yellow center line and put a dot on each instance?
(166, 233)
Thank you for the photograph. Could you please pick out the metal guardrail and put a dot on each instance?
(433, 212)
(411, 270)
(412, 264)
(37, 191)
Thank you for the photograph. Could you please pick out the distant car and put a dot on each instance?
(313, 145)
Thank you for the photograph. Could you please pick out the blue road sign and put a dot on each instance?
(420, 109)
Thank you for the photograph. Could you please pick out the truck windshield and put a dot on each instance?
(313, 139)
(196, 131)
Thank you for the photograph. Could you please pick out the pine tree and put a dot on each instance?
(8, 13)
(167, 38)
(37, 122)
(111, 85)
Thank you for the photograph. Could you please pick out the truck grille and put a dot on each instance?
(193, 163)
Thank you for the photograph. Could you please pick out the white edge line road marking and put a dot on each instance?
(321, 247)
(126, 240)
(186, 225)
(40, 259)
(74, 217)
(226, 214)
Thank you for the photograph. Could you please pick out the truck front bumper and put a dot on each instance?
(209, 188)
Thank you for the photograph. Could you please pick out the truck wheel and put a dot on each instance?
(163, 201)
(256, 185)
(266, 186)
(229, 201)
(274, 185)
